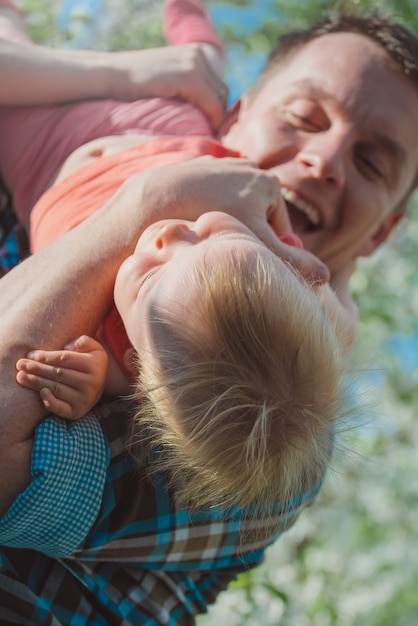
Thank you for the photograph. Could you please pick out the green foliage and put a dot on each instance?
(283, 15)
(352, 560)
(41, 24)
(131, 24)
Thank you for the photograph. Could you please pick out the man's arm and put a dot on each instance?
(46, 301)
(65, 289)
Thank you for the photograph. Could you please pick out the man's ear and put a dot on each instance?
(377, 238)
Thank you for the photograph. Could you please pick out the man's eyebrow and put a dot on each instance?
(307, 86)
(391, 146)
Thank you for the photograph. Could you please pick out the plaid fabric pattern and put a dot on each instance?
(143, 562)
(156, 534)
(14, 244)
(38, 590)
(69, 463)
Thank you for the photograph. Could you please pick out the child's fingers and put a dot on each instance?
(37, 382)
(62, 360)
(84, 343)
(57, 397)
(55, 405)
(53, 358)
(36, 376)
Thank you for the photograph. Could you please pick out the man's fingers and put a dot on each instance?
(277, 215)
(306, 263)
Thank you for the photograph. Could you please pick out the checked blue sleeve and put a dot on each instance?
(56, 511)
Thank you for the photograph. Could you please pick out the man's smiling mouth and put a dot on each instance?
(294, 202)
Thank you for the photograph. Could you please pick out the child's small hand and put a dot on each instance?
(69, 381)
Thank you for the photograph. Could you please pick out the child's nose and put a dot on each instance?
(172, 233)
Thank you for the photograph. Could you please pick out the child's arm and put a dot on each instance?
(69, 381)
(33, 74)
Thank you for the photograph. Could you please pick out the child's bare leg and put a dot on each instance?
(187, 21)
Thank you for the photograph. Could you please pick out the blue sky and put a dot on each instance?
(406, 348)
(242, 69)
(91, 7)
(244, 19)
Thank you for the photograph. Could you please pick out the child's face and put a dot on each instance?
(158, 276)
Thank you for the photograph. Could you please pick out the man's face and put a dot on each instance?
(338, 124)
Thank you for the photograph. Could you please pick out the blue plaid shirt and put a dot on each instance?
(14, 245)
(96, 521)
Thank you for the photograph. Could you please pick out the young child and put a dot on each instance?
(240, 400)
(211, 410)
(186, 406)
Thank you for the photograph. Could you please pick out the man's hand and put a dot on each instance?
(69, 381)
(348, 314)
(230, 185)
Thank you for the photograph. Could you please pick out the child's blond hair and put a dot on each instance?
(242, 400)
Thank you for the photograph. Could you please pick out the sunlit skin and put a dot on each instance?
(159, 271)
(341, 137)
(338, 124)
(157, 281)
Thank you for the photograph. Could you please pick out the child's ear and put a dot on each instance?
(381, 234)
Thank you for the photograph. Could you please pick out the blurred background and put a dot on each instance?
(353, 559)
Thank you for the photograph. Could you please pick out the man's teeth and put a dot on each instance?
(311, 213)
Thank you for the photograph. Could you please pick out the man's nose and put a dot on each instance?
(324, 158)
(172, 233)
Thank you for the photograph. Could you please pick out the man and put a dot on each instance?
(195, 555)
(342, 138)
(332, 118)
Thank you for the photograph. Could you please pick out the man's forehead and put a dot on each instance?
(308, 87)
(345, 66)
(332, 50)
